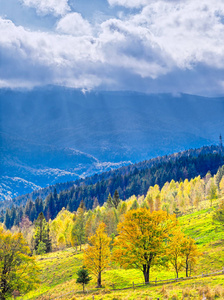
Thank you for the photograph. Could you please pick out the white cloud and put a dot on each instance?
(44, 7)
(129, 3)
(45, 58)
(166, 45)
(74, 24)
(135, 3)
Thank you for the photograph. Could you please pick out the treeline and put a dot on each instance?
(136, 182)
(129, 171)
(178, 196)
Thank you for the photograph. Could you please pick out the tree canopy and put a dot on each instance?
(141, 240)
(18, 270)
(97, 255)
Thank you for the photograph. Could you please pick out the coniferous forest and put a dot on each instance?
(127, 181)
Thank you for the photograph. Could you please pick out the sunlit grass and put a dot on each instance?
(58, 270)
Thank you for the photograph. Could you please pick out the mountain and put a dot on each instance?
(55, 134)
(134, 179)
(27, 166)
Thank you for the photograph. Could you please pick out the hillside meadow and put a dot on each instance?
(58, 271)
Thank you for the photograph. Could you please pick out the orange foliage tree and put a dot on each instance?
(141, 240)
(97, 255)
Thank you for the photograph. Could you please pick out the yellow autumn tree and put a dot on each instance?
(141, 240)
(18, 270)
(175, 250)
(190, 254)
(97, 255)
(221, 186)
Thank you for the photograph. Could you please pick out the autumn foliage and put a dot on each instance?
(97, 255)
(141, 240)
(17, 269)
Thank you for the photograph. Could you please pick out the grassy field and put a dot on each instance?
(58, 271)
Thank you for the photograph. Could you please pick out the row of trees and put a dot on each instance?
(73, 229)
(140, 234)
(145, 239)
(180, 196)
(128, 181)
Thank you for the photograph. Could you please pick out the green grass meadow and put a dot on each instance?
(58, 271)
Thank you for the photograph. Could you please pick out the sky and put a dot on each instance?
(147, 46)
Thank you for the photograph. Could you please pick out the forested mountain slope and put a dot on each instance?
(51, 135)
(131, 180)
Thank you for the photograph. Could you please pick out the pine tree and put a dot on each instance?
(7, 220)
(49, 207)
(83, 277)
(39, 206)
(116, 199)
(110, 201)
(42, 233)
(2, 216)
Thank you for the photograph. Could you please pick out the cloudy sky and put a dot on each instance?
(142, 45)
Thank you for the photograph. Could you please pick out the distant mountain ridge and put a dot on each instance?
(53, 134)
(186, 164)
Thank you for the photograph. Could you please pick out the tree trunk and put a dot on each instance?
(146, 273)
(186, 268)
(4, 290)
(99, 280)
(176, 272)
(83, 287)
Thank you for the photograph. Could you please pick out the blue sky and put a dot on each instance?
(143, 45)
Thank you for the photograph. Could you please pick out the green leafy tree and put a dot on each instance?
(83, 277)
(78, 230)
(41, 249)
(18, 270)
(219, 213)
(212, 191)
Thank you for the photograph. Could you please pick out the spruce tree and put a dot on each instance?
(83, 277)
(110, 201)
(42, 233)
(116, 199)
(7, 219)
(2, 216)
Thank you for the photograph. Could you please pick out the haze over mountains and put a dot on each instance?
(54, 134)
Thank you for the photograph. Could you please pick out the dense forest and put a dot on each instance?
(67, 228)
(128, 171)
(126, 182)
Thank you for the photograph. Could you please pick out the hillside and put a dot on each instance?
(58, 270)
(128, 181)
(51, 135)
(209, 161)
